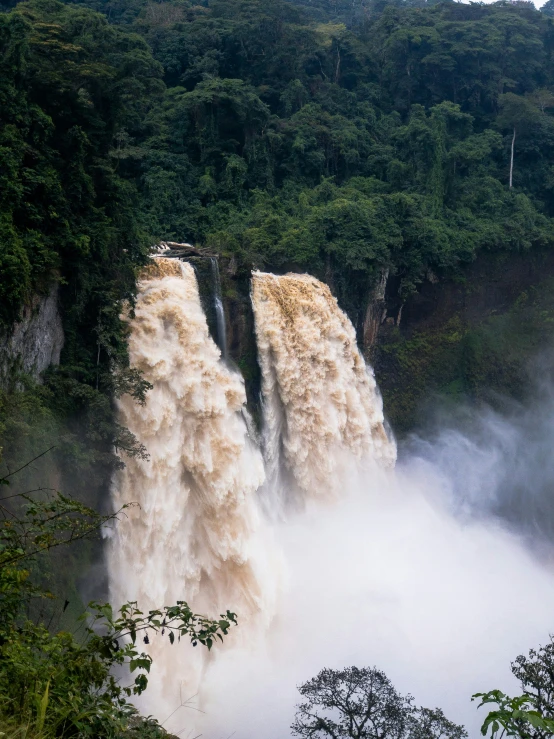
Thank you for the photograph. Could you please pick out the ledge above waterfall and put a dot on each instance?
(175, 250)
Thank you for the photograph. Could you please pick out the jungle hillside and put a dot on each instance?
(402, 151)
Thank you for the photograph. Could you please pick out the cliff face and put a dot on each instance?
(375, 313)
(35, 341)
(472, 339)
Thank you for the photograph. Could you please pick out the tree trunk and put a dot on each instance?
(512, 157)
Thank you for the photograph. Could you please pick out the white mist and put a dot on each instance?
(390, 567)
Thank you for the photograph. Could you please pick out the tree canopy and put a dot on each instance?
(347, 138)
(339, 137)
(362, 703)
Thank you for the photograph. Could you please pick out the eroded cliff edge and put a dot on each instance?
(476, 337)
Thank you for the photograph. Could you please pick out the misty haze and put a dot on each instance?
(276, 369)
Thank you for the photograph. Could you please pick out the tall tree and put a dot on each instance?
(362, 703)
(518, 114)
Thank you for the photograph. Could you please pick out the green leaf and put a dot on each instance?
(42, 708)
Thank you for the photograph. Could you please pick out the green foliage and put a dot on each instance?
(362, 703)
(340, 138)
(513, 716)
(264, 104)
(51, 681)
(530, 715)
(69, 85)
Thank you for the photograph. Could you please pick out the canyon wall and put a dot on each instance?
(35, 341)
(471, 337)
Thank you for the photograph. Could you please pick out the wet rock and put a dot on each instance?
(35, 342)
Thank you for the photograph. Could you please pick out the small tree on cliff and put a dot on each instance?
(362, 703)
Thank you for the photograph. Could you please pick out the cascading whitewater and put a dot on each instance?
(322, 408)
(194, 534)
(387, 575)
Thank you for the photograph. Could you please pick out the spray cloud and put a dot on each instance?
(383, 566)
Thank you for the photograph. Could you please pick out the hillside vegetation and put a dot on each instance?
(347, 138)
(258, 129)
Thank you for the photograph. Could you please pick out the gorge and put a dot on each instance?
(328, 553)
(277, 294)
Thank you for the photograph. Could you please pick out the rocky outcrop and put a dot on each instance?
(35, 341)
(176, 250)
(472, 338)
(376, 312)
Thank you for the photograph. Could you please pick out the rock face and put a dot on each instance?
(470, 339)
(376, 313)
(35, 341)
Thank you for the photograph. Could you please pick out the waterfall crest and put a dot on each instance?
(322, 407)
(195, 533)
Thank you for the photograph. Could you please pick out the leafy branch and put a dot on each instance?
(61, 686)
(115, 638)
(513, 716)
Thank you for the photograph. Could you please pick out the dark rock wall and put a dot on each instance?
(474, 338)
(35, 341)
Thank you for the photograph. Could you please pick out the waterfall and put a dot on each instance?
(322, 408)
(218, 305)
(379, 568)
(387, 574)
(196, 533)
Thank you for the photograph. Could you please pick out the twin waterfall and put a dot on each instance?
(321, 404)
(201, 525)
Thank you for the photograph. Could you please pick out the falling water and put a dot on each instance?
(195, 533)
(322, 408)
(218, 305)
(387, 574)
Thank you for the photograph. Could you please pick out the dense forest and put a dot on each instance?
(343, 138)
(257, 130)
(347, 138)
